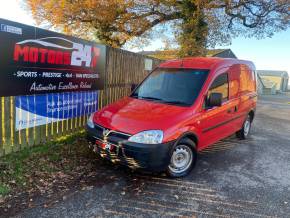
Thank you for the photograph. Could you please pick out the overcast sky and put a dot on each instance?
(267, 54)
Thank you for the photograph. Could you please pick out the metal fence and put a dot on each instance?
(123, 69)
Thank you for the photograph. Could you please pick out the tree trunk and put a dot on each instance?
(193, 38)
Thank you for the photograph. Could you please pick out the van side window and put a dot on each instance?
(220, 85)
(248, 80)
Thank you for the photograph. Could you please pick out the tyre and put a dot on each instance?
(183, 158)
(246, 129)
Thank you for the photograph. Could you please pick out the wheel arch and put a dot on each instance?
(191, 135)
(252, 114)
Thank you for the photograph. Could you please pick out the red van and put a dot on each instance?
(180, 108)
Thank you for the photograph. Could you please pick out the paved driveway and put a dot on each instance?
(232, 179)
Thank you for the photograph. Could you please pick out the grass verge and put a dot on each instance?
(38, 167)
(41, 176)
(4, 189)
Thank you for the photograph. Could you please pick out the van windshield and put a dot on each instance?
(172, 86)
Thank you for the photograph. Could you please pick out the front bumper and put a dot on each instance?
(151, 157)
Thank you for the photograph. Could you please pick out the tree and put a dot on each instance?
(197, 24)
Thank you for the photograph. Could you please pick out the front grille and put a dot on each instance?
(119, 135)
(117, 154)
(113, 136)
(99, 128)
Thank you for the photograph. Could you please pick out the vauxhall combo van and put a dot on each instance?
(179, 109)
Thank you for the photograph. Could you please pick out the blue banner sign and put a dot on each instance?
(36, 110)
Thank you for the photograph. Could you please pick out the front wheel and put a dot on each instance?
(183, 158)
(245, 131)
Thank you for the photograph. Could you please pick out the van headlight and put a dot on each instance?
(90, 121)
(148, 137)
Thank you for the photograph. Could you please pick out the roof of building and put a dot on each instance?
(173, 54)
(268, 83)
(221, 53)
(162, 55)
(273, 73)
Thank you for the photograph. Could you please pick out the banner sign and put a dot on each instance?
(37, 61)
(32, 111)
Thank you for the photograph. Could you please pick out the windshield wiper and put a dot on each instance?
(134, 95)
(162, 100)
(150, 98)
(177, 103)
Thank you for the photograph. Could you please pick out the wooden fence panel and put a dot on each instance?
(37, 129)
(16, 134)
(23, 141)
(2, 150)
(8, 142)
(123, 69)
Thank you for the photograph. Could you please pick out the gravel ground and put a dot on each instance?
(232, 179)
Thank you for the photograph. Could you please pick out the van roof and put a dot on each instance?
(203, 63)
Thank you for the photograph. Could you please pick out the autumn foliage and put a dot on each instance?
(196, 24)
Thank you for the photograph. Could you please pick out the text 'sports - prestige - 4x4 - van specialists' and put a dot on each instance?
(181, 108)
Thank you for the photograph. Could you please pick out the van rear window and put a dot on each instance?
(172, 86)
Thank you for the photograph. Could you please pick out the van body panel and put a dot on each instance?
(234, 79)
(217, 123)
(130, 115)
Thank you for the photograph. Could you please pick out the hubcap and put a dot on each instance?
(247, 127)
(181, 159)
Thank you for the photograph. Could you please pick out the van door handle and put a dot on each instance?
(236, 108)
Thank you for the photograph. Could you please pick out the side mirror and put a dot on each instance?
(133, 87)
(215, 100)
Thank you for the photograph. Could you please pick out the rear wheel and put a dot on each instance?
(245, 131)
(183, 158)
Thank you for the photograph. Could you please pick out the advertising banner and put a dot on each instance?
(37, 61)
(32, 111)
